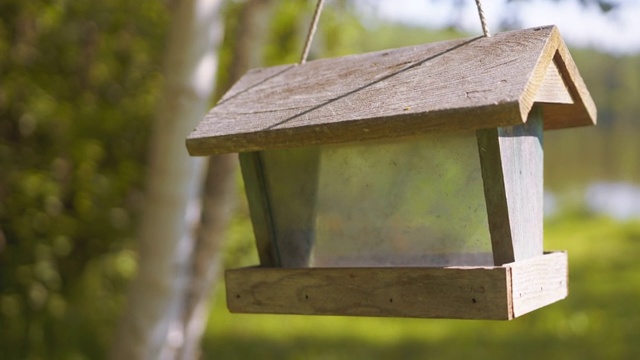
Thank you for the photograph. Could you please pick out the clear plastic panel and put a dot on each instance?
(417, 202)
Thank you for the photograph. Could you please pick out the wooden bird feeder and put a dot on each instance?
(404, 183)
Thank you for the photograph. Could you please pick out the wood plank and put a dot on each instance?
(259, 207)
(291, 181)
(460, 292)
(538, 282)
(459, 84)
(478, 293)
(553, 88)
(584, 112)
(512, 171)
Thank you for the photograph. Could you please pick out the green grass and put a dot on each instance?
(599, 320)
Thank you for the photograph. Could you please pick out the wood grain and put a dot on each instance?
(291, 179)
(461, 292)
(511, 160)
(259, 207)
(459, 84)
(584, 112)
(538, 282)
(399, 292)
(553, 89)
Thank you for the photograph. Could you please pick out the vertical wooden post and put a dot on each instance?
(259, 207)
(511, 159)
(291, 180)
(281, 187)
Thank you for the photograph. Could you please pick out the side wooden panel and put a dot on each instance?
(477, 293)
(291, 183)
(538, 282)
(259, 207)
(512, 171)
(487, 293)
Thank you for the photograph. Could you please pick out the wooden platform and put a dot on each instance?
(495, 293)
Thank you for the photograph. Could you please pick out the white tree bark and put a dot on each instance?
(217, 205)
(151, 327)
(219, 194)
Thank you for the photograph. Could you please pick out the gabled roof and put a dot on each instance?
(446, 86)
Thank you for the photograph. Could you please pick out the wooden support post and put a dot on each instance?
(259, 207)
(291, 181)
(512, 169)
(284, 234)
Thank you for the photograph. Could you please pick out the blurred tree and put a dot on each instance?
(153, 325)
(242, 37)
(509, 19)
(78, 83)
(604, 5)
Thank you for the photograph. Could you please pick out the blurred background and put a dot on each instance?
(82, 84)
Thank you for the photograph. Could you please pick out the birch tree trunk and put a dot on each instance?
(219, 193)
(217, 204)
(151, 327)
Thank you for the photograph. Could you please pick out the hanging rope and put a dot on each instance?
(316, 16)
(312, 31)
(483, 21)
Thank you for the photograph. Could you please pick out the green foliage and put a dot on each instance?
(79, 83)
(286, 35)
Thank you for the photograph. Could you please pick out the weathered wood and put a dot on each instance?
(553, 89)
(538, 282)
(499, 293)
(511, 159)
(291, 182)
(459, 84)
(259, 207)
(561, 116)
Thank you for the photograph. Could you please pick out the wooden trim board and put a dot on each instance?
(512, 174)
(491, 293)
(259, 207)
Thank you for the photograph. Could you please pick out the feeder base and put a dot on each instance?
(491, 293)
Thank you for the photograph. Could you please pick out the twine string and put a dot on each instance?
(483, 20)
(312, 31)
(316, 16)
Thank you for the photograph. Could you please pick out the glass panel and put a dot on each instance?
(417, 202)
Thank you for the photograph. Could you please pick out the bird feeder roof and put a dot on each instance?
(452, 85)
